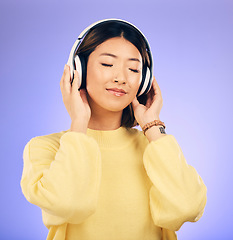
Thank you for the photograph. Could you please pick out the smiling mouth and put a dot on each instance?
(116, 92)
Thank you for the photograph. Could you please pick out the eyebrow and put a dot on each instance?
(114, 56)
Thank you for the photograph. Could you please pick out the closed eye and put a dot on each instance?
(107, 65)
(110, 65)
(134, 70)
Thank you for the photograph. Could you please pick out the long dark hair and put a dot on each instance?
(99, 34)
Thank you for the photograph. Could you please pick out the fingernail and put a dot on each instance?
(65, 67)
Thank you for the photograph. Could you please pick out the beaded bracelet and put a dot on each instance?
(151, 124)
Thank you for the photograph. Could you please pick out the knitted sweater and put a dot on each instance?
(111, 185)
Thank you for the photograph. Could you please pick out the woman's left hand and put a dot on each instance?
(149, 112)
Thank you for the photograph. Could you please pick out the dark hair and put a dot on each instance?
(99, 34)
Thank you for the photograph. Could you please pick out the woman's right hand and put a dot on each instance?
(75, 101)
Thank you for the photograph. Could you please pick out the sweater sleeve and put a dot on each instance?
(178, 193)
(63, 178)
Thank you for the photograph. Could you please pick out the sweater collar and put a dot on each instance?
(118, 138)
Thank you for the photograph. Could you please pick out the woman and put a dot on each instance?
(103, 179)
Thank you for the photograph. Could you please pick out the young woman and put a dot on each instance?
(103, 179)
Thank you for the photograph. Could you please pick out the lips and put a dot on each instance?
(116, 91)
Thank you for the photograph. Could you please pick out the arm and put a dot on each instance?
(147, 113)
(178, 193)
(62, 178)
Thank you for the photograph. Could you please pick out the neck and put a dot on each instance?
(102, 119)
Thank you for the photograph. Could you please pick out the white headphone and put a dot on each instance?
(76, 63)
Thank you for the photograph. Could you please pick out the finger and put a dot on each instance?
(62, 78)
(65, 80)
(156, 89)
(158, 96)
(156, 85)
(150, 97)
(83, 94)
(135, 103)
(148, 101)
(75, 84)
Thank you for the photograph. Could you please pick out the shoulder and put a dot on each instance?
(42, 148)
(49, 140)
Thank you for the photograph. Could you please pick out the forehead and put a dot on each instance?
(118, 46)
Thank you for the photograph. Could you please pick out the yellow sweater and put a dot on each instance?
(111, 185)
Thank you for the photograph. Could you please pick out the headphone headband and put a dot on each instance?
(147, 81)
(83, 33)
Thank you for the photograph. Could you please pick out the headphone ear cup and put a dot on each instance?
(145, 83)
(78, 67)
(148, 80)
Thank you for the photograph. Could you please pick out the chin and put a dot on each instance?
(115, 107)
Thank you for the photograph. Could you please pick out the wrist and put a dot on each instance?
(153, 123)
(154, 129)
(148, 120)
(77, 126)
(155, 132)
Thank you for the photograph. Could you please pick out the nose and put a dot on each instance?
(119, 81)
(120, 77)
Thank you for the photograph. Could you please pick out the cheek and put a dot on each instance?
(92, 78)
(134, 82)
(96, 74)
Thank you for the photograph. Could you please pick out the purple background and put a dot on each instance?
(192, 44)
